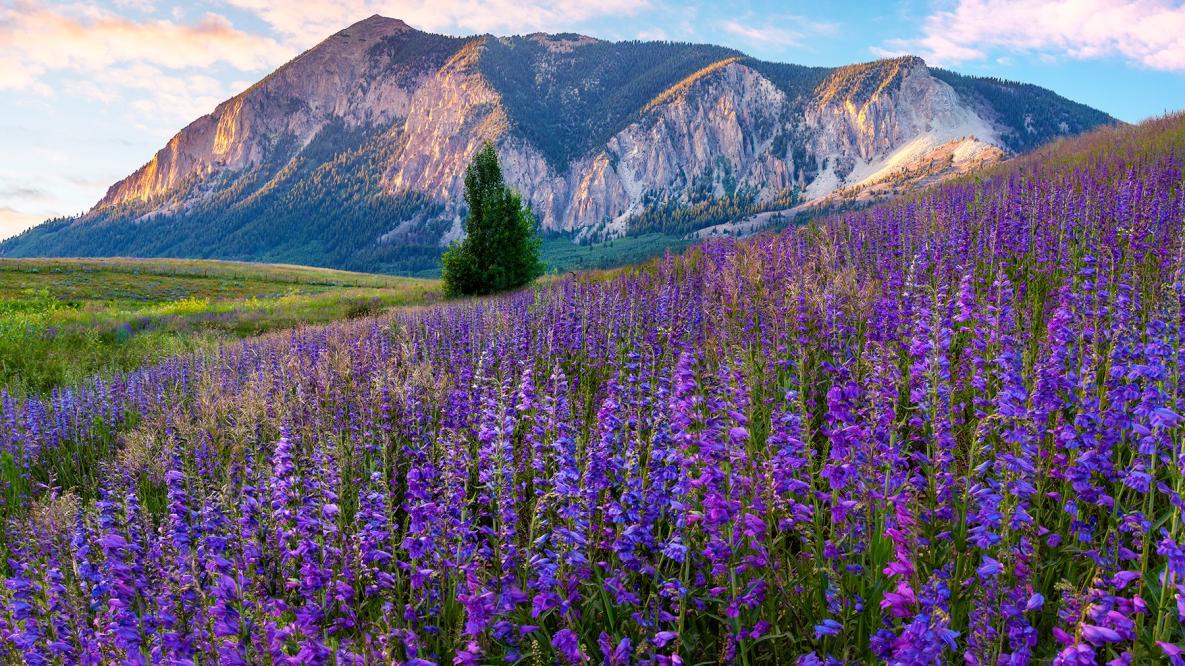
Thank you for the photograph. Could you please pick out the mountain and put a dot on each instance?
(352, 154)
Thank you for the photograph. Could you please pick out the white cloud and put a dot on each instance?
(1149, 33)
(146, 6)
(166, 98)
(765, 34)
(26, 201)
(91, 91)
(653, 35)
(784, 31)
(10, 192)
(317, 19)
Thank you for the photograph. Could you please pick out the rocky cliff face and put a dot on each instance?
(346, 79)
(876, 120)
(719, 127)
(369, 133)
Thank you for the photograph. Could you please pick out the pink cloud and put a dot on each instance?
(1150, 33)
(37, 39)
(13, 221)
(154, 66)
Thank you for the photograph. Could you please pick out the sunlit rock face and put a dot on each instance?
(592, 133)
(344, 79)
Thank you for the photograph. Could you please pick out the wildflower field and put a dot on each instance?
(943, 430)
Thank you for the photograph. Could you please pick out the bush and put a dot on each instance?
(500, 250)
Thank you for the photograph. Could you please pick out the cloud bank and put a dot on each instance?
(38, 39)
(1146, 33)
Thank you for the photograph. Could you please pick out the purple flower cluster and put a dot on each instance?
(946, 429)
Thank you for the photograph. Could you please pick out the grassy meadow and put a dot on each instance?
(62, 320)
(561, 255)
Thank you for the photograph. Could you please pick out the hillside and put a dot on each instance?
(64, 320)
(351, 155)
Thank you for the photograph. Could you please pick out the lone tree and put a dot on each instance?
(500, 250)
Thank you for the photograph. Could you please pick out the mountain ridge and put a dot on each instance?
(351, 155)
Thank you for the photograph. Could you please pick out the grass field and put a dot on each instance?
(561, 255)
(62, 320)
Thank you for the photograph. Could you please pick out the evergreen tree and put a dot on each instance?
(500, 250)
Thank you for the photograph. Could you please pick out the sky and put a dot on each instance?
(89, 90)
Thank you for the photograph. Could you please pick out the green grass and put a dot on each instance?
(63, 320)
(560, 254)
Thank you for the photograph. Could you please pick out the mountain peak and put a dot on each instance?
(376, 25)
(906, 60)
(371, 130)
(562, 41)
(863, 82)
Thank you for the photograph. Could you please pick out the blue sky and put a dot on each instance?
(89, 90)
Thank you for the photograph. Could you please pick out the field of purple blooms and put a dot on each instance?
(946, 429)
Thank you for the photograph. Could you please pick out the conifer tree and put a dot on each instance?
(500, 250)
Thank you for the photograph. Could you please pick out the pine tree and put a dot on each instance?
(500, 250)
